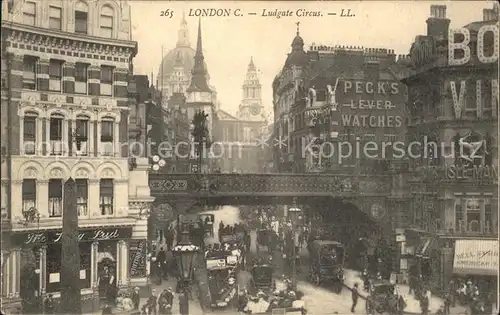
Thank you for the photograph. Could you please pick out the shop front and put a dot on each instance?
(476, 260)
(103, 259)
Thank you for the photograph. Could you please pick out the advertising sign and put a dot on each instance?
(55, 236)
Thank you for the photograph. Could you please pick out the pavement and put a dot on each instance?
(412, 304)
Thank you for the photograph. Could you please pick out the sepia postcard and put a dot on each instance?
(249, 157)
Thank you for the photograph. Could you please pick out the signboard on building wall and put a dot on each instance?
(371, 104)
(476, 257)
(138, 254)
(55, 237)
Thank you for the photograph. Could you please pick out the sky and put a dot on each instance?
(229, 42)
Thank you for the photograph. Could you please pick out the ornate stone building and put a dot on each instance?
(65, 111)
(452, 110)
(238, 137)
(174, 73)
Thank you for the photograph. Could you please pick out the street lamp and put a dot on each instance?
(185, 253)
(294, 214)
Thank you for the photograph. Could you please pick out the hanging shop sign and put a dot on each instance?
(138, 253)
(55, 237)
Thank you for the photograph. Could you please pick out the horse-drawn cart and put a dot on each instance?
(382, 299)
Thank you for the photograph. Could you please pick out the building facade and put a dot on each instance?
(66, 102)
(331, 95)
(452, 106)
(238, 149)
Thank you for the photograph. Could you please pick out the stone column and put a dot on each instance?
(43, 269)
(6, 274)
(98, 139)
(122, 262)
(90, 139)
(21, 135)
(93, 265)
(42, 197)
(119, 263)
(93, 198)
(16, 193)
(116, 138)
(39, 136)
(16, 272)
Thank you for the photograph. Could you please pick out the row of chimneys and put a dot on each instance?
(438, 24)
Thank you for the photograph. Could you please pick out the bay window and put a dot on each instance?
(106, 192)
(29, 133)
(82, 130)
(55, 18)
(56, 132)
(107, 137)
(55, 75)
(473, 215)
(81, 78)
(106, 22)
(29, 13)
(82, 197)
(28, 194)
(106, 80)
(29, 72)
(55, 197)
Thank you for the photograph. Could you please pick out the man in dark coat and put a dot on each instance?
(136, 298)
(355, 296)
(162, 258)
(183, 304)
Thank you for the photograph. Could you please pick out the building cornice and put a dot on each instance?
(91, 44)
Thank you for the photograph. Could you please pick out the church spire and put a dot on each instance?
(183, 34)
(251, 65)
(198, 78)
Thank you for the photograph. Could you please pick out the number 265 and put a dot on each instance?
(167, 13)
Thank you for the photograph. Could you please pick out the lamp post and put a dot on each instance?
(185, 253)
(294, 215)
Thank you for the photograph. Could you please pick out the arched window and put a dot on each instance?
(107, 136)
(81, 134)
(106, 22)
(81, 17)
(29, 132)
(56, 134)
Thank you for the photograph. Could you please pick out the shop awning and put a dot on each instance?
(476, 257)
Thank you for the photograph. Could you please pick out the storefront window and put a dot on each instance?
(30, 278)
(54, 255)
(106, 267)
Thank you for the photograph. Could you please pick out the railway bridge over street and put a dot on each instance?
(377, 197)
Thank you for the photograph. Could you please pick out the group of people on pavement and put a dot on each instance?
(468, 293)
(162, 304)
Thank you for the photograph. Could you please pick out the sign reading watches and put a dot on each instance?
(54, 237)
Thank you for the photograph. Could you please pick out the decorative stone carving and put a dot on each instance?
(108, 173)
(56, 173)
(109, 106)
(83, 173)
(30, 173)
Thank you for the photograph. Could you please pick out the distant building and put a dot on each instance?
(334, 94)
(174, 73)
(238, 137)
(454, 192)
(66, 106)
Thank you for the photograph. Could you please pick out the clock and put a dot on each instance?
(254, 110)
